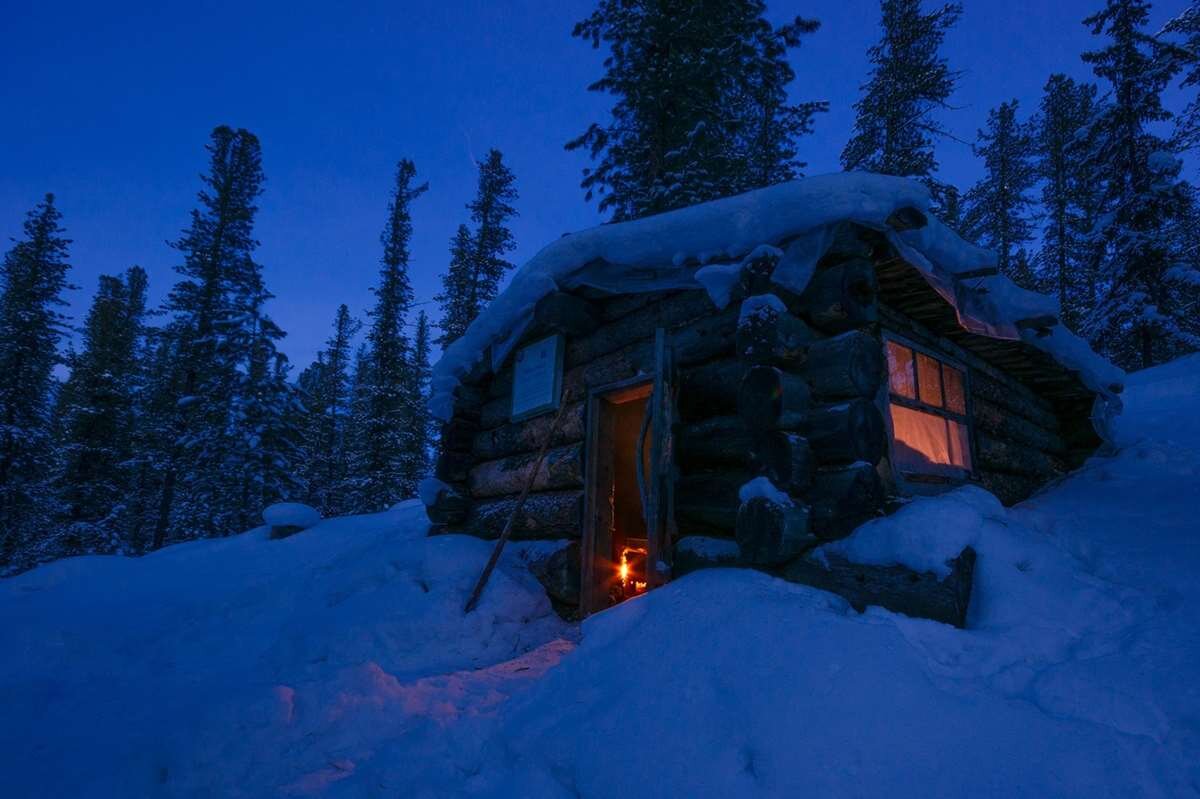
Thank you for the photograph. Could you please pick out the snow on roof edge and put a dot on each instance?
(664, 252)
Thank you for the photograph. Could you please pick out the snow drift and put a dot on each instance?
(337, 662)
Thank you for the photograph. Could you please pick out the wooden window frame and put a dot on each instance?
(906, 478)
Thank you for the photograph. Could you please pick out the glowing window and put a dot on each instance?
(928, 405)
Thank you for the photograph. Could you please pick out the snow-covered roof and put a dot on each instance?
(701, 246)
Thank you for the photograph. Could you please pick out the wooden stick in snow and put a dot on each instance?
(516, 511)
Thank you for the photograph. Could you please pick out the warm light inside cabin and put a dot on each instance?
(928, 410)
(632, 566)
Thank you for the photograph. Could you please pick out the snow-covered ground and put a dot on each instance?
(337, 662)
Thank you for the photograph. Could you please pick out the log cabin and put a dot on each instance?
(741, 381)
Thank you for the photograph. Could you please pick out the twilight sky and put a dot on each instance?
(109, 105)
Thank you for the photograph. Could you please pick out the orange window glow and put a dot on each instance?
(928, 412)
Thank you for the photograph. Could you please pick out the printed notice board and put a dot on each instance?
(537, 377)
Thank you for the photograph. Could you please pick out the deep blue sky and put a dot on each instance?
(109, 105)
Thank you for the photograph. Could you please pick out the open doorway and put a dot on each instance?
(615, 542)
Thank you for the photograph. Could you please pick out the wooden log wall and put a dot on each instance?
(1019, 442)
(487, 459)
(794, 405)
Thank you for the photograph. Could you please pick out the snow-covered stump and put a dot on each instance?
(897, 588)
(289, 518)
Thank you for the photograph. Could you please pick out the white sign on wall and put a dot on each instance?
(537, 377)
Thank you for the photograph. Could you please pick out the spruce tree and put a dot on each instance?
(1184, 32)
(98, 414)
(1144, 314)
(327, 384)
(999, 205)
(420, 423)
(208, 347)
(1069, 196)
(384, 476)
(478, 260)
(33, 278)
(701, 106)
(265, 421)
(895, 125)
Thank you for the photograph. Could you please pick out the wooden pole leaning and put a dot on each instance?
(516, 511)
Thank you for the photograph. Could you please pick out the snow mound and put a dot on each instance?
(242, 667)
(341, 664)
(697, 246)
(291, 514)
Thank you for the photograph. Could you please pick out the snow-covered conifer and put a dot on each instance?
(209, 346)
(896, 126)
(33, 277)
(1069, 197)
(478, 260)
(327, 384)
(701, 109)
(999, 205)
(1145, 309)
(97, 418)
(380, 466)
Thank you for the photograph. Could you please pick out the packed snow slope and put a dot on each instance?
(337, 662)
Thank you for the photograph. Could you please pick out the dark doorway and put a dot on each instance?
(615, 545)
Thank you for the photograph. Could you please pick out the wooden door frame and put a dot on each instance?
(598, 463)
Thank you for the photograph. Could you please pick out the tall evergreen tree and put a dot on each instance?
(384, 472)
(701, 107)
(213, 307)
(33, 278)
(97, 410)
(1184, 31)
(265, 420)
(1143, 313)
(419, 432)
(895, 125)
(328, 386)
(1069, 196)
(478, 260)
(999, 206)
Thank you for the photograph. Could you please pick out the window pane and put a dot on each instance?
(900, 370)
(960, 447)
(929, 378)
(956, 395)
(925, 442)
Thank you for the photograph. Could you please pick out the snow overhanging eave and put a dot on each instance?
(666, 251)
